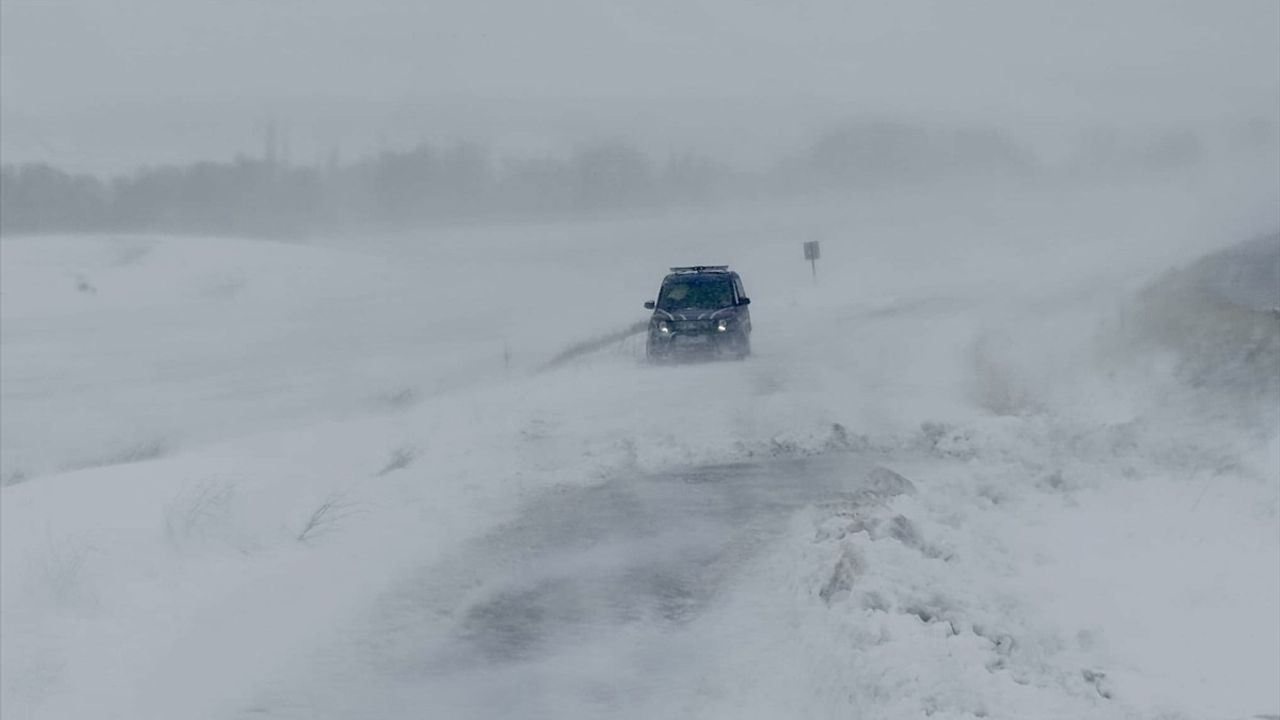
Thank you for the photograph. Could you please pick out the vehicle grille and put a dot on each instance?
(694, 326)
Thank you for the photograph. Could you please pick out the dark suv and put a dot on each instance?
(700, 311)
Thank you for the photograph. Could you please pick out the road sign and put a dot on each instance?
(811, 253)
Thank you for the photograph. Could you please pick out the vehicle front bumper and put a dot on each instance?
(692, 344)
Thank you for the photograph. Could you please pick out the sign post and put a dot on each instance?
(811, 253)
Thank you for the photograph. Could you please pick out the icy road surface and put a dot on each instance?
(588, 605)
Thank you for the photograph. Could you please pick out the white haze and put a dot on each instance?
(107, 86)
(1009, 450)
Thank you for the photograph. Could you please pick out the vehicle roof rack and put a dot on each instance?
(700, 268)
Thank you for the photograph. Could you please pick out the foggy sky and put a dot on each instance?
(115, 84)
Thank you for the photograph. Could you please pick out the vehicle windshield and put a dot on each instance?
(695, 293)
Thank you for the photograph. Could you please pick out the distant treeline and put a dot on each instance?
(393, 189)
(426, 184)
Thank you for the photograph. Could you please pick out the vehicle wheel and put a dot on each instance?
(744, 347)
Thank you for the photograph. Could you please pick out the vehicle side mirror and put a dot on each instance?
(744, 301)
(648, 305)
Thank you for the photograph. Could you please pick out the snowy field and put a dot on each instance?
(998, 461)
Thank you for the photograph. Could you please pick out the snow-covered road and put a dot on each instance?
(585, 605)
(253, 479)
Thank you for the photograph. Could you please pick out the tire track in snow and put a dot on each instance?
(591, 345)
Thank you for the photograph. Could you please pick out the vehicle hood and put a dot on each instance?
(693, 314)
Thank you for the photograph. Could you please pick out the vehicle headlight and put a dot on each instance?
(664, 328)
(722, 325)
